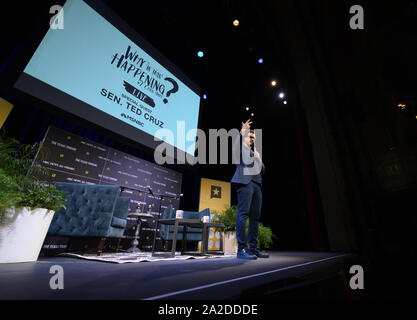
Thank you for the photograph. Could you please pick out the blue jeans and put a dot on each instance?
(249, 203)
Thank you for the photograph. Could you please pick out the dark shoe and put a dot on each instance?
(243, 254)
(258, 253)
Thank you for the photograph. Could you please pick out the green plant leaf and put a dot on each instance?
(18, 183)
(228, 218)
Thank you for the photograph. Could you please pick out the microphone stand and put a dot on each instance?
(135, 241)
(162, 196)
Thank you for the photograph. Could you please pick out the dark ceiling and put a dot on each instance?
(228, 73)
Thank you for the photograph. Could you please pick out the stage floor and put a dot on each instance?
(174, 280)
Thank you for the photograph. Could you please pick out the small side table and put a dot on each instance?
(138, 217)
(189, 223)
(192, 223)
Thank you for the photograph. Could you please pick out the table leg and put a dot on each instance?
(174, 239)
(184, 238)
(204, 242)
(154, 237)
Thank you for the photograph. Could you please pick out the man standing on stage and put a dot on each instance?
(248, 182)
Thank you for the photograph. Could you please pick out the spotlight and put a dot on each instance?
(247, 108)
(204, 96)
(402, 106)
(260, 60)
(281, 95)
(273, 83)
(285, 102)
(252, 114)
(236, 23)
(200, 54)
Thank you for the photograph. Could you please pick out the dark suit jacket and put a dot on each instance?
(248, 167)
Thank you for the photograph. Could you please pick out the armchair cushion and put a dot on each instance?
(168, 213)
(202, 213)
(118, 223)
(121, 209)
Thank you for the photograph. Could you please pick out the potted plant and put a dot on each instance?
(228, 218)
(27, 205)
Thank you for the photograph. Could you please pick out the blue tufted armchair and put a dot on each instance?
(91, 211)
(193, 234)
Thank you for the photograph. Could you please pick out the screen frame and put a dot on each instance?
(70, 107)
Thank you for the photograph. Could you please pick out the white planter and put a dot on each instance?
(229, 242)
(22, 232)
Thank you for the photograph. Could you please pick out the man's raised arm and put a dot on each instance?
(237, 144)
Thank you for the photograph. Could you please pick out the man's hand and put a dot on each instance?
(257, 156)
(245, 127)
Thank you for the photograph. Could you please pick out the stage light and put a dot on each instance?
(204, 96)
(273, 83)
(401, 106)
(281, 95)
(200, 54)
(247, 108)
(285, 102)
(260, 60)
(252, 114)
(236, 23)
